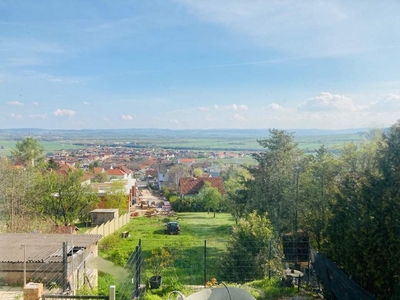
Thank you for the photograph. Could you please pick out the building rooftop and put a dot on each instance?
(41, 247)
(192, 186)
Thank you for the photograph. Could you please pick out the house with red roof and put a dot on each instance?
(119, 173)
(191, 186)
(98, 170)
(186, 161)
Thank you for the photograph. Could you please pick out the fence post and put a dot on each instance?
(137, 268)
(65, 266)
(269, 259)
(112, 292)
(135, 280)
(205, 262)
(308, 264)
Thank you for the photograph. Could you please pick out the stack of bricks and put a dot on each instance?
(33, 291)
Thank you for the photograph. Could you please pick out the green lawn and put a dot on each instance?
(202, 236)
(200, 232)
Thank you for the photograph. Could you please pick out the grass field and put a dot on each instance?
(7, 146)
(187, 247)
(201, 236)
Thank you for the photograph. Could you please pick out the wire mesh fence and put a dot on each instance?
(196, 263)
(190, 263)
(53, 272)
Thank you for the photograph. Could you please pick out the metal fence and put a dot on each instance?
(195, 263)
(135, 267)
(59, 297)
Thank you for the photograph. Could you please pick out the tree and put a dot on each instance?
(16, 194)
(29, 151)
(64, 197)
(252, 250)
(197, 172)
(273, 187)
(52, 164)
(317, 192)
(365, 221)
(100, 177)
(236, 185)
(210, 197)
(176, 172)
(116, 197)
(364, 156)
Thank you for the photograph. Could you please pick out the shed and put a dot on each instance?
(57, 260)
(103, 215)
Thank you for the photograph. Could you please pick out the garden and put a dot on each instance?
(186, 262)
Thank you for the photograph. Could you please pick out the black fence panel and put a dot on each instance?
(336, 281)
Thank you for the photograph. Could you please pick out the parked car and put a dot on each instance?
(173, 228)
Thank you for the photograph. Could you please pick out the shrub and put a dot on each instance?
(247, 256)
(149, 296)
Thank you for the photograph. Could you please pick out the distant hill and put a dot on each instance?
(18, 133)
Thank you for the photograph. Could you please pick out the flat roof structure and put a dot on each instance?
(41, 247)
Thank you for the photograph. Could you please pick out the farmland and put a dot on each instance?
(221, 140)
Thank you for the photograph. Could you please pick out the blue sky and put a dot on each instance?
(199, 64)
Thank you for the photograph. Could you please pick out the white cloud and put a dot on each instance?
(86, 103)
(274, 106)
(35, 103)
(175, 122)
(126, 117)
(16, 117)
(236, 107)
(38, 116)
(64, 112)
(330, 102)
(239, 117)
(14, 103)
(105, 119)
(390, 103)
(203, 108)
(207, 108)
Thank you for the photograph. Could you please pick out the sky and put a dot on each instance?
(191, 64)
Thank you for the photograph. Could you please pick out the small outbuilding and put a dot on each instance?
(103, 215)
(59, 261)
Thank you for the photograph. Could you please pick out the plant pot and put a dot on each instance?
(155, 282)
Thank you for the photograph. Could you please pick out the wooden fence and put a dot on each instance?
(110, 227)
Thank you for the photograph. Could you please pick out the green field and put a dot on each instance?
(188, 247)
(49, 147)
(198, 140)
(202, 236)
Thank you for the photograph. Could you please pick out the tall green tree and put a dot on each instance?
(363, 232)
(28, 151)
(237, 188)
(316, 191)
(273, 187)
(116, 196)
(210, 197)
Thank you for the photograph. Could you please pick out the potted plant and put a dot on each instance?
(159, 260)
